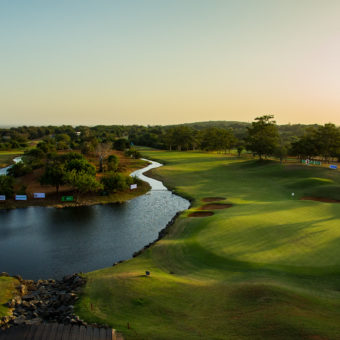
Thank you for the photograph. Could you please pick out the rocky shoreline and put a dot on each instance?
(42, 301)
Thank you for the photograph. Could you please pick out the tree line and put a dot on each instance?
(263, 137)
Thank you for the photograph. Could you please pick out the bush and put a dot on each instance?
(114, 182)
(112, 163)
(19, 169)
(6, 185)
(133, 153)
(120, 144)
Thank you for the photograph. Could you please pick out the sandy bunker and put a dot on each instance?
(201, 214)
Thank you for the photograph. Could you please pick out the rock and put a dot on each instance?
(22, 289)
(11, 303)
(19, 320)
(46, 300)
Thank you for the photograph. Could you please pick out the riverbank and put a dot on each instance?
(50, 300)
(257, 270)
(52, 199)
(6, 157)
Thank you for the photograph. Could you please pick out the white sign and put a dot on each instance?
(39, 195)
(133, 186)
(20, 197)
(2, 198)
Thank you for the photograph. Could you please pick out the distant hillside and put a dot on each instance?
(287, 131)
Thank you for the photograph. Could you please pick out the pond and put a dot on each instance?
(40, 242)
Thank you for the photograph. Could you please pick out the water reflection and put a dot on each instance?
(40, 242)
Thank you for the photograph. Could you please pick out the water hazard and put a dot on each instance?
(40, 242)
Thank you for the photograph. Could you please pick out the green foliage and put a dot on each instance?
(263, 136)
(54, 174)
(133, 153)
(318, 141)
(80, 165)
(6, 186)
(112, 163)
(114, 182)
(82, 181)
(121, 144)
(19, 169)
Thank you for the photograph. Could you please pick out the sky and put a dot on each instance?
(168, 61)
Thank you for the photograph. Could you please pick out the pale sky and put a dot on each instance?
(168, 61)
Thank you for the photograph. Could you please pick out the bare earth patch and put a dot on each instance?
(213, 199)
(216, 206)
(201, 214)
(320, 199)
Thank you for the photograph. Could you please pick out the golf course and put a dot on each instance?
(262, 263)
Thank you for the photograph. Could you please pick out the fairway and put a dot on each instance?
(266, 267)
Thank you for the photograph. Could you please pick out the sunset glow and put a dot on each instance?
(163, 62)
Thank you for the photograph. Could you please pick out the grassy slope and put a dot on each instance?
(7, 288)
(266, 268)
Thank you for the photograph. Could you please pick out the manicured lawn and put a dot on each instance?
(266, 268)
(7, 288)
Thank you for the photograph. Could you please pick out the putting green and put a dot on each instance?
(266, 268)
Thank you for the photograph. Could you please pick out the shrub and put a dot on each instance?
(114, 182)
(133, 153)
(19, 169)
(6, 185)
(112, 163)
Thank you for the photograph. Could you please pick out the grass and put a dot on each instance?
(6, 157)
(7, 290)
(267, 268)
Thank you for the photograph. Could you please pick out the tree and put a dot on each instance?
(6, 185)
(80, 165)
(113, 182)
(102, 150)
(227, 139)
(328, 140)
(83, 182)
(121, 144)
(112, 163)
(19, 169)
(239, 148)
(54, 175)
(305, 146)
(263, 136)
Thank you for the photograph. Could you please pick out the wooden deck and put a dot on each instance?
(54, 331)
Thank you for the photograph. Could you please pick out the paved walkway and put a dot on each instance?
(54, 331)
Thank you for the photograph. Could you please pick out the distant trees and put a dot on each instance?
(321, 141)
(121, 144)
(263, 136)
